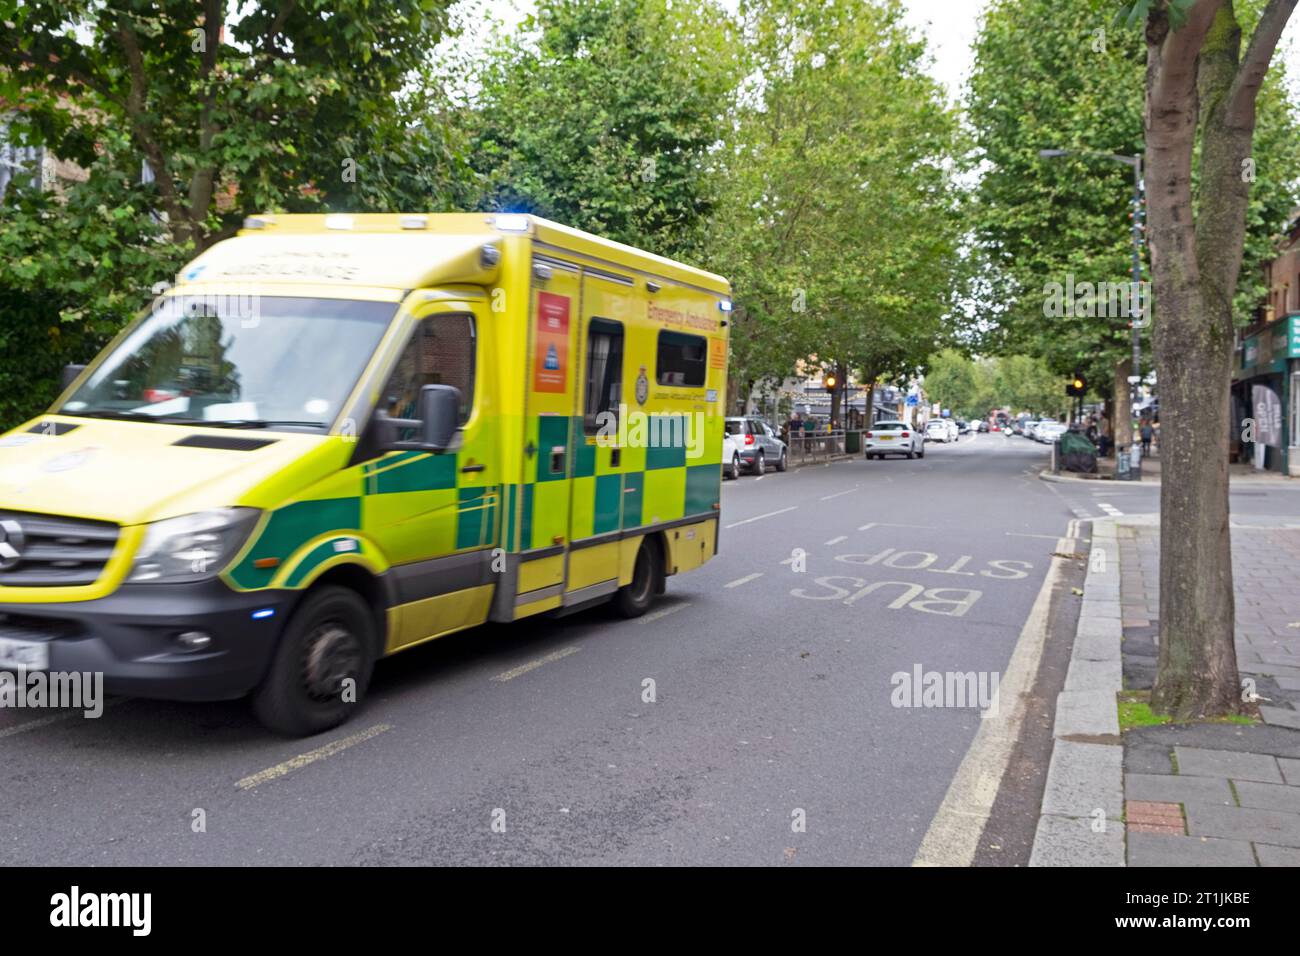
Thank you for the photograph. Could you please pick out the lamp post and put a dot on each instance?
(1135, 298)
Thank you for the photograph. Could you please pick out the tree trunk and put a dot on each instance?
(836, 394)
(1121, 408)
(1194, 81)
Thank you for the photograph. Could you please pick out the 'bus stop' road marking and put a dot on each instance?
(770, 514)
(533, 665)
(310, 757)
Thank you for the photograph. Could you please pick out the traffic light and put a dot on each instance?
(1078, 386)
(830, 381)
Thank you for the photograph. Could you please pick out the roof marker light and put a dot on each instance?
(415, 222)
(338, 221)
(263, 613)
(511, 222)
(254, 222)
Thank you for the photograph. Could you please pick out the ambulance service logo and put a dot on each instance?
(642, 387)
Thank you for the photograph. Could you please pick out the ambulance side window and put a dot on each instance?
(681, 359)
(604, 376)
(441, 352)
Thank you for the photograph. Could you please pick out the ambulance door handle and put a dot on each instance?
(468, 468)
(557, 460)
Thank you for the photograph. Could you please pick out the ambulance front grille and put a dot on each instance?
(53, 551)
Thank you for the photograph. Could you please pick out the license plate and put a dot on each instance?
(886, 437)
(24, 655)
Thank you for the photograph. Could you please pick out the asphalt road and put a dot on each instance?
(535, 743)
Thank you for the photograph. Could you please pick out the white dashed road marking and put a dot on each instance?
(533, 665)
(770, 514)
(745, 580)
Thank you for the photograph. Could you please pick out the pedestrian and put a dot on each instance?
(1147, 433)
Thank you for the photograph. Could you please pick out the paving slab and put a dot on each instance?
(1280, 716)
(1268, 796)
(1290, 770)
(1087, 712)
(1158, 849)
(1277, 855)
(1244, 823)
(1176, 788)
(1094, 675)
(1071, 841)
(1083, 778)
(1199, 762)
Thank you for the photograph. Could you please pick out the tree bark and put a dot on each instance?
(1121, 407)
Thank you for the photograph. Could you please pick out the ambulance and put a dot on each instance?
(336, 437)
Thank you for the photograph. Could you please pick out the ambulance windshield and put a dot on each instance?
(237, 361)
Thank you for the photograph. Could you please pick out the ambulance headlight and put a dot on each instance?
(192, 547)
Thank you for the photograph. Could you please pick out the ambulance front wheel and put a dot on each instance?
(634, 598)
(322, 666)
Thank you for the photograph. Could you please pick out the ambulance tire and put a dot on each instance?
(331, 637)
(635, 598)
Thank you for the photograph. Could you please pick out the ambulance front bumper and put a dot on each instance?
(148, 639)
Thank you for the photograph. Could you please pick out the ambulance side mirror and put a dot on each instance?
(439, 410)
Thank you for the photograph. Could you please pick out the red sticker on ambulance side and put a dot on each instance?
(551, 343)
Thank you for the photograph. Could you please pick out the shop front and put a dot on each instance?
(1266, 397)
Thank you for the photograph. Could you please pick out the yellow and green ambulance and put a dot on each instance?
(336, 437)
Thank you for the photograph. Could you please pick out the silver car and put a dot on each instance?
(893, 438)
(760, 446)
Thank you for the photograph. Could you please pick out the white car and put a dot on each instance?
(893, 438)
(940, 429)
(1048, 432)
(731, 457)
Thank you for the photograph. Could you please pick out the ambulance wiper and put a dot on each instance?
(127, 415)
(257, 423)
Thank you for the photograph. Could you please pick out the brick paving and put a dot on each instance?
(1217, 794)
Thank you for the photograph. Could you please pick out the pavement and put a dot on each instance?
(773, 708)
(1200, 794)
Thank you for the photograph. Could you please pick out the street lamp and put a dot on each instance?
(1135, 298)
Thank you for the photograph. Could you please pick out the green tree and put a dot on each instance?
(605, 115)
(1052, 75)
(260, 107)
(840, 228)
(231, 110)
(952, 379)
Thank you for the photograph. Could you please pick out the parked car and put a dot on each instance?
(893, 438)
(731, 458)
(1048, 432)
(759, 444)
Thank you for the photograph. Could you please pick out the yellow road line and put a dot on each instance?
(533, 665)
(311, 756)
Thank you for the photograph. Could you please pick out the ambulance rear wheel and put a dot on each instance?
(322, 666)
(634, 598)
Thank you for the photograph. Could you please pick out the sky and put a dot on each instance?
(948, 25)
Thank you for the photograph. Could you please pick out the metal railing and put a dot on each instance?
(806, 447)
